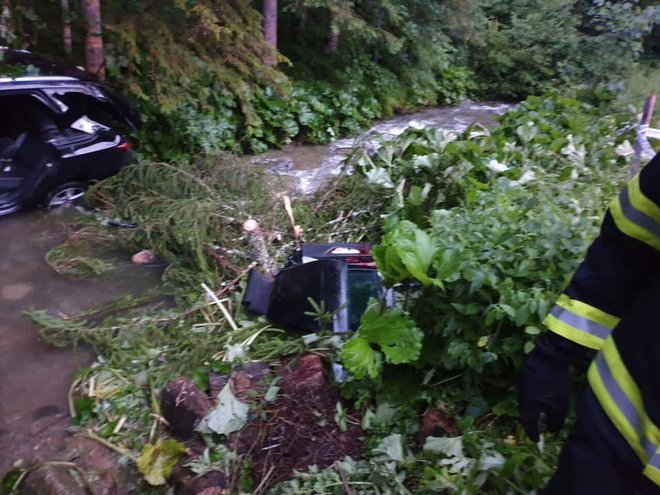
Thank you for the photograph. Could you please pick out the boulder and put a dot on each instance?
(306, 374)
(51, 480)
(248, 382)
(184, 406)
(144, 257)
(186, 482)
(437, 423)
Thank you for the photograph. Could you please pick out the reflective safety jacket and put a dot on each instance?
(613, 305)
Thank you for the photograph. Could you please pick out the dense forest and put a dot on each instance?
(477, 232)
(245, 76)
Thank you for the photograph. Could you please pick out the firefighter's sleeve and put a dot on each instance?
(619, 263)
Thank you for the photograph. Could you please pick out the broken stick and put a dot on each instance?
(257, 243)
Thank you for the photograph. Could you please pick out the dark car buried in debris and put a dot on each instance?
(339, 277)
(58, 134)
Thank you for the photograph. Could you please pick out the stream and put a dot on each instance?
(35, 377)
(311, 164)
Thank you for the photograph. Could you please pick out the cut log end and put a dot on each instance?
(250, 225)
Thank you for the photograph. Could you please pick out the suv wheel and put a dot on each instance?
(66, 195)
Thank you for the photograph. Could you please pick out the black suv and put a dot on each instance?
(57, 134)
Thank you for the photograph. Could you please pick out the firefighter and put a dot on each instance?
(608, 318)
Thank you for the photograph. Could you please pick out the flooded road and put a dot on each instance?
(34, 376)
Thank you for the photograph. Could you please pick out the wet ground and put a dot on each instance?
(35, 377)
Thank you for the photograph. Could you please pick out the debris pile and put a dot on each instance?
(291, 425)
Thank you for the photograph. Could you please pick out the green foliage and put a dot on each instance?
(203, 86)
(407, 250)
(424, 170)
(528, 46)
(385, 335)
(481, 231)
(502, 259)
(478, 231)
(476, 462)
(199, 76)
(489, 225)
(72, 260)
(613, 42)
(523, 47)
(186, 209)
(361, 477)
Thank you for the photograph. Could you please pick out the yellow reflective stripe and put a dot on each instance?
(620, 371)
(616, 416)
(569, 332)
(636, 216)
(580, 322)
(621, 399)
(641, 202)
(652, 473)
(621, 374)
(587, 311)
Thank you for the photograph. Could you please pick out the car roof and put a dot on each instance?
(43, 64)
(57, 76)
(44, 79)
(39, 82)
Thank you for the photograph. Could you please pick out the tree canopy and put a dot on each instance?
(206, 75)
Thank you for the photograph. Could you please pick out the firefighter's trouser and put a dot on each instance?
(596, 460)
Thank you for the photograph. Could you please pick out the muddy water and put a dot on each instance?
(310, 165)
(35, 377)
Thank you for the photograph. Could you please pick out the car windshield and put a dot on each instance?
(362, 285)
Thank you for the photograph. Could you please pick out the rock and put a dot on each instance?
(248, 381)
(15, 292)
(213, 491)
(144, 257)
(100, 464)
(183, 406)
(437, 423)
(307, 374)
(51, 480)
(216, 383)
(186, 482)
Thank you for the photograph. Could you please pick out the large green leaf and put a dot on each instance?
(360, 358)
(406, 252)
(393, 332)
(229, 414)
(390, 333)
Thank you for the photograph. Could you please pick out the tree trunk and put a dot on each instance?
(94, 41)
(303, 12)
(7, 34)
(333, 41)
(270, 30)
(66, 27)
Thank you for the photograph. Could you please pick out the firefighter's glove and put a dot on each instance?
(544, 384)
